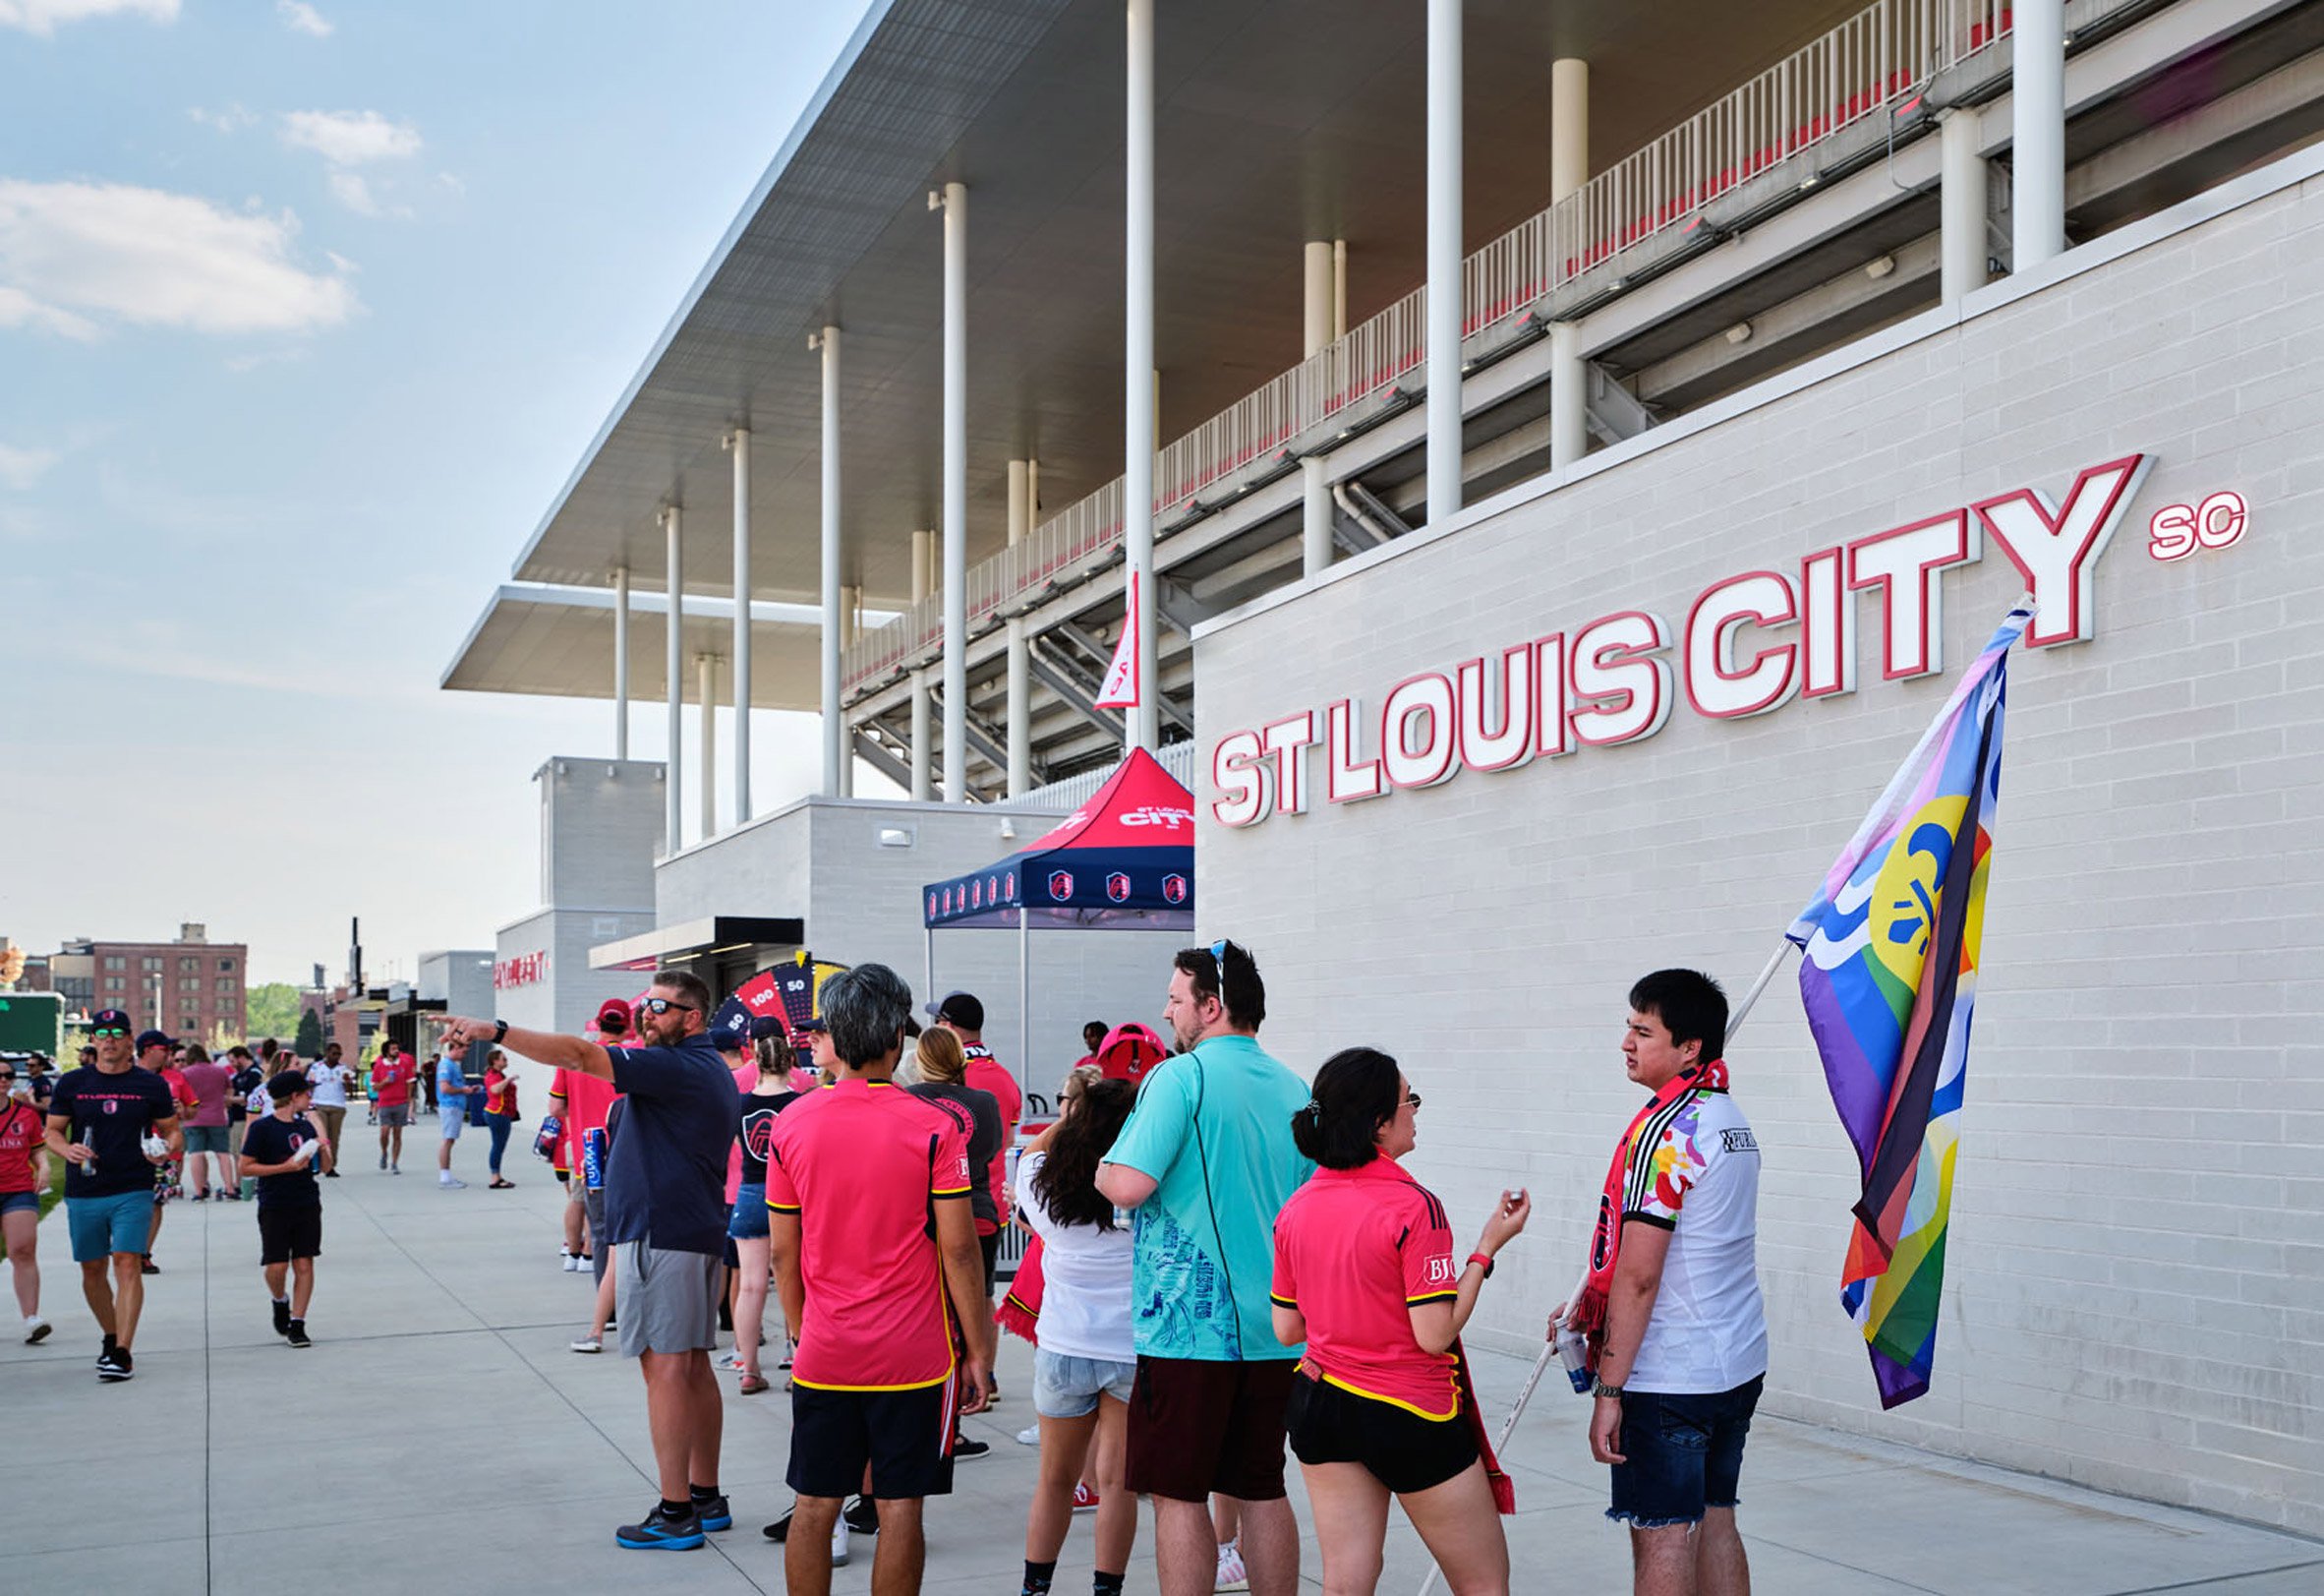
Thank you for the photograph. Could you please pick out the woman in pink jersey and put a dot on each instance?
(1365, 1275)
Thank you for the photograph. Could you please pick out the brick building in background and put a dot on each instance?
(201, 986)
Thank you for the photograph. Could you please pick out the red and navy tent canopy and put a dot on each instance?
(1124, 861)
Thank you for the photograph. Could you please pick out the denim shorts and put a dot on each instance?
(749, 1219)
(1685, 1451)
(1067, 1388)
(206, 1139)
(10, 1202)
(102, 1226)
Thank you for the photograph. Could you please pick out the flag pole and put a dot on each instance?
(1508, 1427)
(1751, 998)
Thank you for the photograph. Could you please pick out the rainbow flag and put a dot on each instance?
(1889, 978)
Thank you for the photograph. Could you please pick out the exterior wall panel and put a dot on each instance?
(2134, 1295)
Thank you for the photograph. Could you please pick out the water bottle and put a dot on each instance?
(593, 1158)
(544, 1141)
(1573, 1350)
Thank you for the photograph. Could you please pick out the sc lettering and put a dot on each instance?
(2178, 530)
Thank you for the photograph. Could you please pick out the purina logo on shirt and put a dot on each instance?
(1060, 885)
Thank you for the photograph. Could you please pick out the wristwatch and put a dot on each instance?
(500, 1032)
(1602, 1388)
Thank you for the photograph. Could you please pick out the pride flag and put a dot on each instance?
(1889, 978)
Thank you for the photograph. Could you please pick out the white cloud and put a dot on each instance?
(40, 17)
(348, 137)
(229, 120)
(301, 17)
(22, 468)
(75, 253)
(353, 193)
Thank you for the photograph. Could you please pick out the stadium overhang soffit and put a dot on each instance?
(1278, 121)
(559, 642)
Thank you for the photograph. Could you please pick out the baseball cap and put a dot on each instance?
(613, 1008)
(812, 1023)
(1129, 1051)
(727, 1039)
(962, 1009)
(108, 1020)
(155, 1039)
(763, 1026)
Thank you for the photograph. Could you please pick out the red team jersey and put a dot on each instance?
(1355, 1250)
(392, 1080)
(987, 1074)
(21, 1131)
(862, 1164)
(588, 1099)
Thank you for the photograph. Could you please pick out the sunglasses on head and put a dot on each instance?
(663, 1005)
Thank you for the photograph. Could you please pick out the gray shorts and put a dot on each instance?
(206, 1139)
(394, 1115)
(666, 1301)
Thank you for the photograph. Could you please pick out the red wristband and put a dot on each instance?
(1485, 1260)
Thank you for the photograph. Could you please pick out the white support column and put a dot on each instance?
(622, 662)
(923, 751)
(1962, 199)
(1020, 729)
(1569, 169)
(1569, 414)
(705, 694)
(673, 624)
(739, 442)
(924, 741)
(834, 731)
(1141, 726)
(1339, 289)
(2037, 139)
(1444, 260)
(1320, 305)
(956, 492)
(1569, 127)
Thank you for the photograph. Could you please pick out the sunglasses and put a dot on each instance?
(1412, 1099)
(663, 1005)
(110, 1031)
(8, 1075)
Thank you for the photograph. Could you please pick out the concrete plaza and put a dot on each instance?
(439, 1436)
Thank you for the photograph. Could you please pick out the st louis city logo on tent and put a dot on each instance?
(977, 895)
(1060, 885)
(932, 902)
(1118, 887)
(992, 889)
(1009, 886)
(1174, 889)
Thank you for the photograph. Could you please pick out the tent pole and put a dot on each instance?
(1025, 1000)
(928, 968)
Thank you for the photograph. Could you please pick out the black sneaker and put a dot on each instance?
(115, 1366)
(863, 1516)
(656, 1533)
(149, 1266)
(778, 1530)
(105, 1351)
(298, 1333)
(282, 1319)
(713, 1513)
(964, 1449)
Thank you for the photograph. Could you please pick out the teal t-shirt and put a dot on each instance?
(1213, 1128)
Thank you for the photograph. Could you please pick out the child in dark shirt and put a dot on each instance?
(282, 1152)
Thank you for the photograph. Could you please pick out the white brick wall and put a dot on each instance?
(2136, 1287)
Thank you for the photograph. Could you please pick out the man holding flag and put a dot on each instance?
(1678, 1335)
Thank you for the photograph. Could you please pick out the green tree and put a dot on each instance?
(271, 1010)
(310, 1041)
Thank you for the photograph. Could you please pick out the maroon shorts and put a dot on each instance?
(1198, 1427)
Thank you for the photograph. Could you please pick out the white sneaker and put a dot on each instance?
(573, 1263)
(1030, 1435)
(588, 1343)
(728, 1363)
(35, 1329)
(451, 1185)
(838, 1542)
(1232, 1576)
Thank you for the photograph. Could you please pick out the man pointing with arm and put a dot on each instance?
(665, 1185)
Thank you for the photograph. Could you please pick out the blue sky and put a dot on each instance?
(306, 313)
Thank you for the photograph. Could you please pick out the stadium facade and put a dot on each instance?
(1568, 631)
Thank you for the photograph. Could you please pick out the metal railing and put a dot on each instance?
(1875, 60)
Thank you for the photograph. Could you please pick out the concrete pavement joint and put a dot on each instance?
(2212, 1581)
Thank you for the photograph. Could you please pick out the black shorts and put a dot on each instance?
(990, 1246)
(1404, 1451)
(1198, 1427)
(906, 1436)
(285, 1234)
